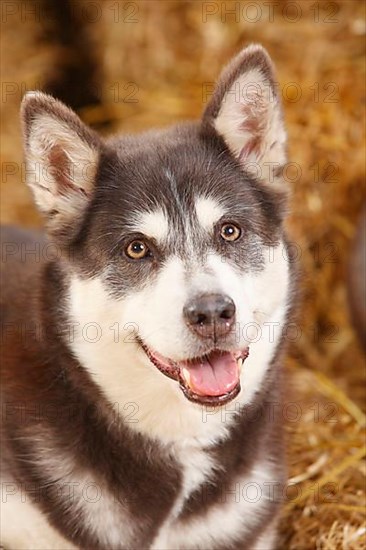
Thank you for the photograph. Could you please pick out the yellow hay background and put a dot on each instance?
(166, 55)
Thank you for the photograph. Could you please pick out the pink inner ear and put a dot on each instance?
(254, 124)
(60, 169)
(250, 149)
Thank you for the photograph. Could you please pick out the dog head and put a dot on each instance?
(174, 236)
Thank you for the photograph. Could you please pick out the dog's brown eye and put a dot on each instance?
(137, 250)
(230, 232)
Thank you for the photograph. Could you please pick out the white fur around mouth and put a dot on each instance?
(180, 372)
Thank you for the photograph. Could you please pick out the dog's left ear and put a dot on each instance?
(245, 110)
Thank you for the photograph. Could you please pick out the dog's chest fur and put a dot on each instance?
(219, 522)
(204, 513)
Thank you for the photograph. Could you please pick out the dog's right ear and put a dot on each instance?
(62, 156)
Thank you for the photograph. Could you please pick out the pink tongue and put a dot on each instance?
(216, 375)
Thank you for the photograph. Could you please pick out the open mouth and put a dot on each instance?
(212, 379)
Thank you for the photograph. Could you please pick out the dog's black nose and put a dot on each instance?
(210, 315)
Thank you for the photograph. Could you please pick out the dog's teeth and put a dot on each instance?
(240, 362)
(186, 375)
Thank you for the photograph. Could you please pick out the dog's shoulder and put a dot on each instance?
(22, 258)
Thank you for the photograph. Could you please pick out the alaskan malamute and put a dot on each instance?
(143, 337)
